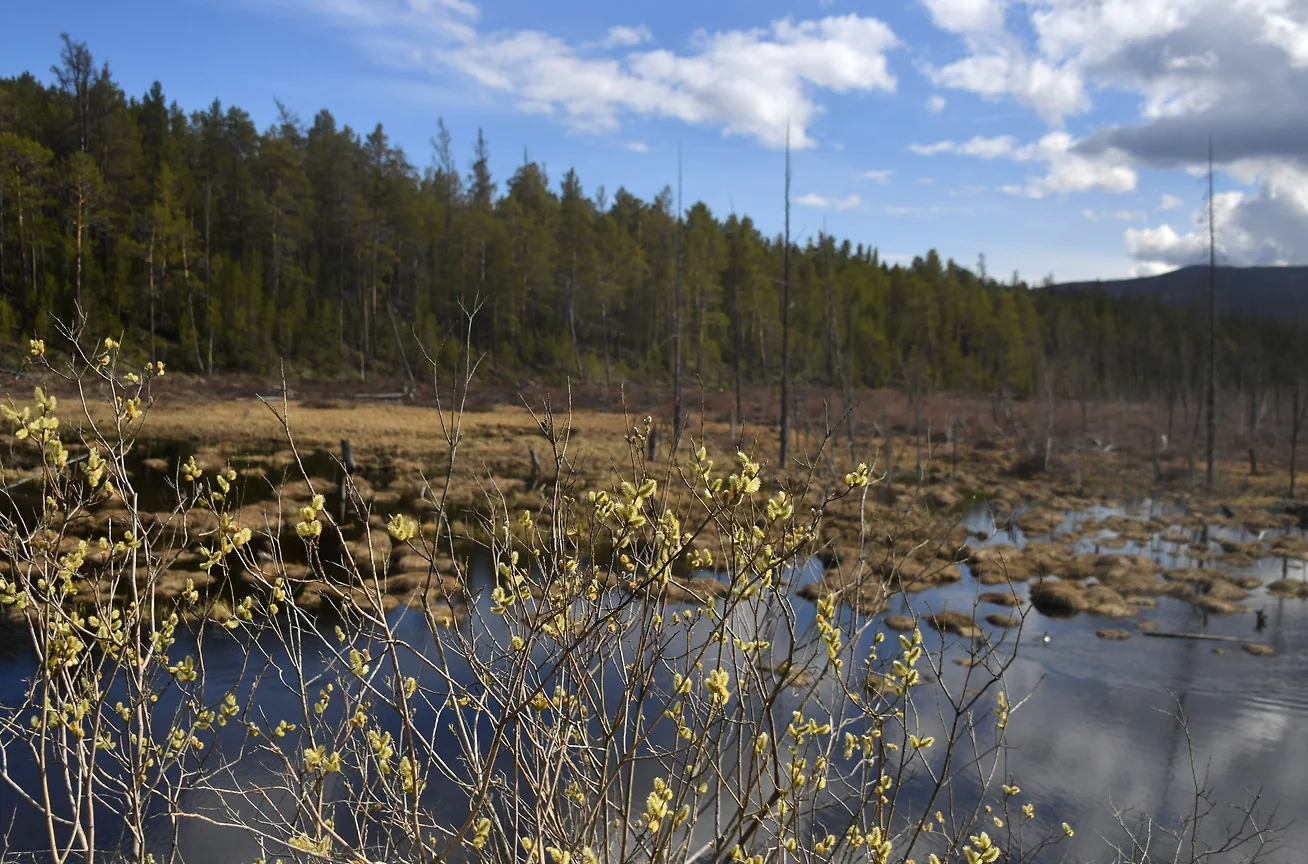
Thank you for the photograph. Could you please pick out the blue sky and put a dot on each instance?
(1054, 136)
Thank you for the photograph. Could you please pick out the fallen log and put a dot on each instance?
(9, 487)
(1210, 637)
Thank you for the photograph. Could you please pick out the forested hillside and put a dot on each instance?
(1255, 291)
(220, 246)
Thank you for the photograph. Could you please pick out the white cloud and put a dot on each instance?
(754, 82)
(1281, 29)
(1054, 91)
(1150, 268)
(935, 104)
(1110, 215)
(626, 37)
(1265, 227)
(879, 175)
(637, 146)
(926, 181)
(1067, 171)
(1169, 202)
(1163, 244)
(979, 146)
(1181, 57)
(963, 16)
(819, 202)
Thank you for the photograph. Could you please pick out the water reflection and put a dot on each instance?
(1096, 734)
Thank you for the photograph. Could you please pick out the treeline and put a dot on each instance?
(220, 246)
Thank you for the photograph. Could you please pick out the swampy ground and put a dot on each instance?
(470, 456)
(1100, 543)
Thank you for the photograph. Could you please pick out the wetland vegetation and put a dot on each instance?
(355, 513)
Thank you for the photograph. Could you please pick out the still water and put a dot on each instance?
(1095, 737)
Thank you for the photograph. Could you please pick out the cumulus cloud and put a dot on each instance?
(626, 37)
(1053, 91)
(1066, 169)
(1264, 227)
(935, 104)
(1180, 57)
(760, 83)
(1164, 246)
(820, 202)
(1231, 71)
(879, 175)
(966, 16)
(637, 146)
(1069, 171)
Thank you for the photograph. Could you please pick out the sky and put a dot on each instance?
(1054, 137)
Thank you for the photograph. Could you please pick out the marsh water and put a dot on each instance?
(1097, 734)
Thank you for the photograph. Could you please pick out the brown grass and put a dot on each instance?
(907, 547)
(901, 623)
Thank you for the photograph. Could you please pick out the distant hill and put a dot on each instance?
(1254, 291)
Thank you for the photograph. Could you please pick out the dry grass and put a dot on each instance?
(958, 623)
(901, 623)
(909, 542)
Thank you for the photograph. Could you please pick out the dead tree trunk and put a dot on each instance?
(1212, 325)
(533, 480)
(890, 456)
(1194, 436)
(1051, 411)
(1255, 415)
(343, 484)
(1296, 426)
(785, 317)
(953, 441)
(404, 355)
(676, 321)
(1085, 420)
(608, 368)
(847, 390)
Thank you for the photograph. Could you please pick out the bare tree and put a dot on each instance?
(1299, 408)
(676, 320)
(737, 336)
(1211, 392)
(785, 316)
(837, 357)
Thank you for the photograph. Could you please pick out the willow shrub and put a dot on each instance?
(575, 700)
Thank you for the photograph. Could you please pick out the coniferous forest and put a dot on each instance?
(219, 246)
